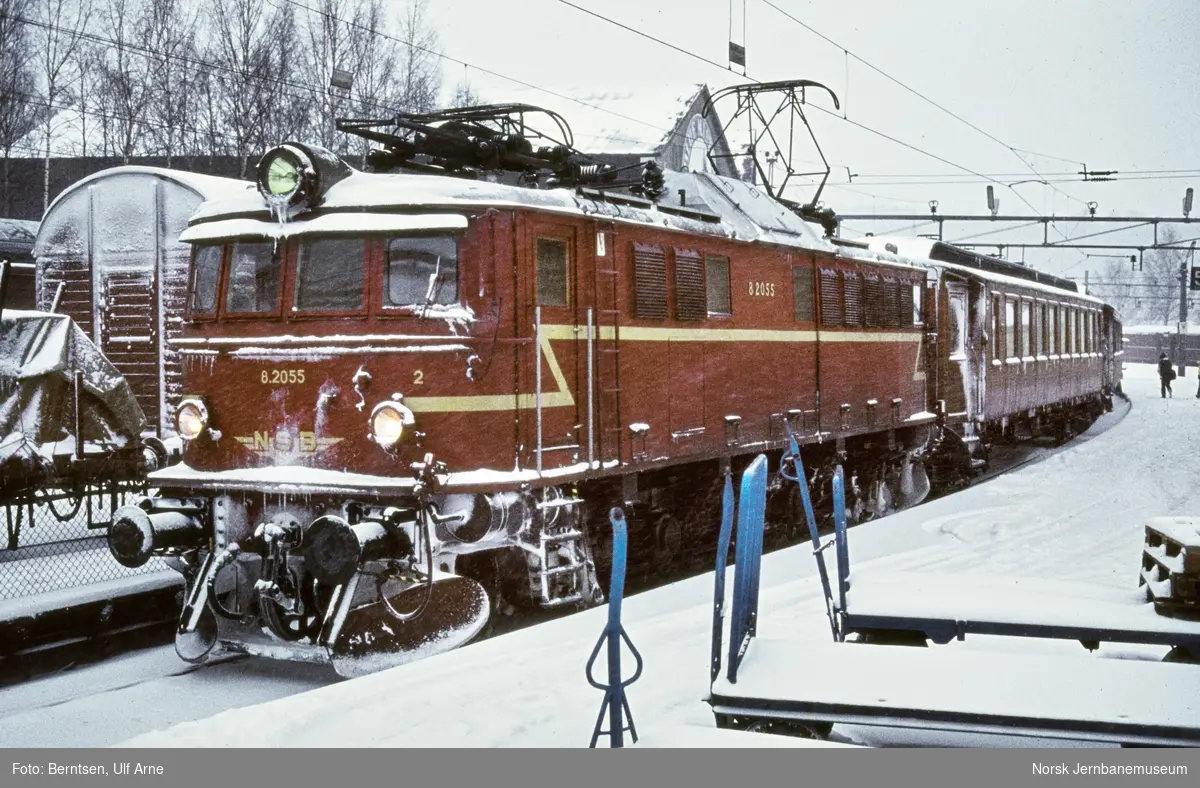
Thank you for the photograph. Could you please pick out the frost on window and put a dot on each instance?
(205, 270)
(329, 275)
(253, 278)
(421, 271)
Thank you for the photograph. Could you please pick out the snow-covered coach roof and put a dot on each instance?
(933, 253)
(66, 206)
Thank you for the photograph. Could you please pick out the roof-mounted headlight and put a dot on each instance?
(389, 421)
(191, 419)
(297, 175)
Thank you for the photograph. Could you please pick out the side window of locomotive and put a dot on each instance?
(206, 270)
(329, 275)
(1010, 326)
(802, 288)
(553, 270)
(719, 297)
(916, 296)
(253, 278)
(421, 271)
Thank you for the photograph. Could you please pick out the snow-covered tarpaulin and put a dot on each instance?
(39, 356)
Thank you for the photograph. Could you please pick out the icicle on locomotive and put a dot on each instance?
(408, 395)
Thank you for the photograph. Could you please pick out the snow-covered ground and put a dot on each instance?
(1076, 516)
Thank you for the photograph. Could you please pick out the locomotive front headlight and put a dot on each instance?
(191, 419)
(388, 423)
(283, 174)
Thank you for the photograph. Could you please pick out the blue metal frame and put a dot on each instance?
(801, 479)
(727, 508)
(839, 524)
(615, 702)
(751, 517)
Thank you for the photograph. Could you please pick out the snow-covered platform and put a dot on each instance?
(1071, 697)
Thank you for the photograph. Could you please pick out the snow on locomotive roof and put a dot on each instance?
(712, 205)
(330, 223)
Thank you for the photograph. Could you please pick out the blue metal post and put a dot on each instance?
(839, 524)
(615, 702)
(801, 478)
(751, 517)
(727, 508)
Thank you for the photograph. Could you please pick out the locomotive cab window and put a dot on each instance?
(206, 272)
(718, 292)
(329, 275)
(802, 285)
(553, 269)
(421, 271)
(253, 278)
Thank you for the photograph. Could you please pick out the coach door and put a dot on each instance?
(958, 380)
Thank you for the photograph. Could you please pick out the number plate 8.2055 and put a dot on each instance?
(281, 377)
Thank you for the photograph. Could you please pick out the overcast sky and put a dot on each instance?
(1107, 83)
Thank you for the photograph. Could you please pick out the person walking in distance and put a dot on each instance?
(1166, 374)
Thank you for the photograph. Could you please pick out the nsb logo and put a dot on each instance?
(287, 442)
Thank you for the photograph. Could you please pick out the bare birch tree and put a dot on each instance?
(61, 28)
(420, 72)
(19, 110)
(172, 81)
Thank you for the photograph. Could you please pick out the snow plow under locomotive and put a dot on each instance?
(411, 399)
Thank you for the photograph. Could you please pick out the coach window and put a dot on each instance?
(1044, 332)
(206, 271)
(553, 271)
(253, 278)
(997, 329)
(421, 271)
(1063, 347)
(1010, 326)
(1026, 326)
(329, 275)
(802, 286)
(717, 271)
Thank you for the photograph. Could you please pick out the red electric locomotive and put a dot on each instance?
(411, 399)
